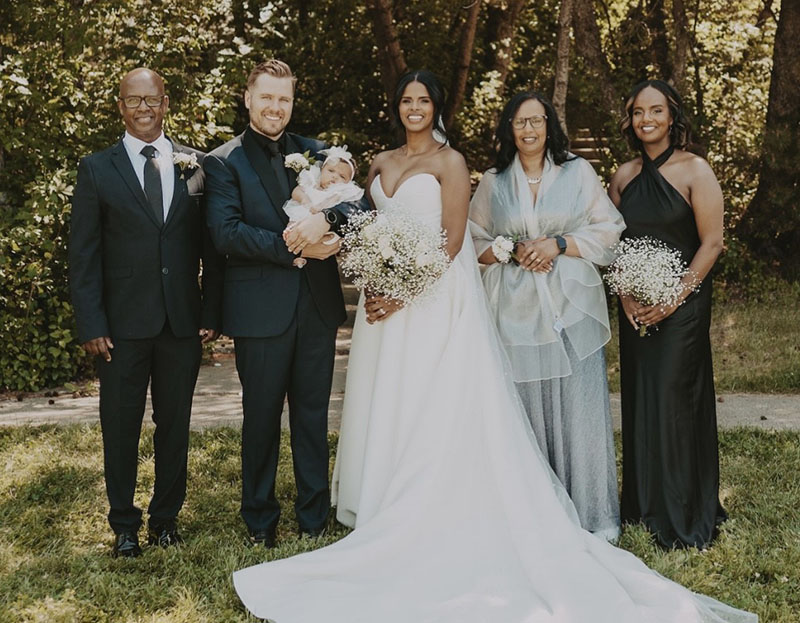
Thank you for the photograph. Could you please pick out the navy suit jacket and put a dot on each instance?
(246, 221)
(128, 274)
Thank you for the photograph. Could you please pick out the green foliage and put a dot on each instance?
(61, 62)
(35, 315)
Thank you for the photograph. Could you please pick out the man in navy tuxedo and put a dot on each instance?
(283, 318)
(137, 239)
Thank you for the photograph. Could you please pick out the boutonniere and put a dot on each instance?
(299, 162)
(185, 162)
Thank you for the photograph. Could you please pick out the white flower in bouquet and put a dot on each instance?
(393, 254)
(647, 270)
(503, 249)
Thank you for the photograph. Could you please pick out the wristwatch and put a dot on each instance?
(331, 216)
(562, 245)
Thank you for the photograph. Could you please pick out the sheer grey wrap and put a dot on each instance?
(571, 201)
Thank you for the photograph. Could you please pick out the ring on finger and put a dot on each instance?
(382, 311)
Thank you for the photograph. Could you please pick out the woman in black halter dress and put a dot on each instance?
(670, 473)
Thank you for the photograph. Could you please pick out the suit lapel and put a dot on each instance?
(120, 160)
(258, 159)
(179, 187)
(292, 147)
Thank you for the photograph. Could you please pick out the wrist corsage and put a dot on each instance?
(503, 249)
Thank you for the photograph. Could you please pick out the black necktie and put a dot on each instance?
(152, 183)
(276, 161)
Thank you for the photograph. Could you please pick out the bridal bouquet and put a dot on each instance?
(393, 254)
(647, 270)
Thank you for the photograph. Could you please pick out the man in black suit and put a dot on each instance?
(283, 318)
(137, 238)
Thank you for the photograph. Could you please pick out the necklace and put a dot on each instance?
(534, 180)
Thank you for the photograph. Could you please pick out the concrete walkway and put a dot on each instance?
(217, 401)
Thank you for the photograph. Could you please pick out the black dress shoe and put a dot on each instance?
(262, 538)
(313, 534)
(163, 536)
(126, 544)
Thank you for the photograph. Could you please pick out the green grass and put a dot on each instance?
(54, 541)
(755, 342)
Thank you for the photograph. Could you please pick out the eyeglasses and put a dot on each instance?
(536, 121)
(134, 101)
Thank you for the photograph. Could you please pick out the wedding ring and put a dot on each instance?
(383, 312)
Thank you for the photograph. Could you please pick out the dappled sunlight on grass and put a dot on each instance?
(55, 562)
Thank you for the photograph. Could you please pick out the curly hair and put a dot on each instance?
(556, 143)
(435, 91)
(680, 133)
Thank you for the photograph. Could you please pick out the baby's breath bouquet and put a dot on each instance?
(647, 270)
(393, 254)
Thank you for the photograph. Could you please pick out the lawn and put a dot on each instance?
(54, 541)
(755, 342)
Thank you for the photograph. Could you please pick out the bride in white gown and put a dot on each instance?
(458, 518)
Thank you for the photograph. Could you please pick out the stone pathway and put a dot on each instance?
(217, 400)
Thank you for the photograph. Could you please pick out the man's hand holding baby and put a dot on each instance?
(299, 234)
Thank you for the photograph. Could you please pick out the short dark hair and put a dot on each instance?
(435, 91)
(272, 67)
(556, 144)
(680, 134)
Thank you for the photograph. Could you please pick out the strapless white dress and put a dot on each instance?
(457, 516)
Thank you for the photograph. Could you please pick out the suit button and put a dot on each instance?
(165, 271)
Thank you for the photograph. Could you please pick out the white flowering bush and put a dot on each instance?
(393, 254)
(647, 270)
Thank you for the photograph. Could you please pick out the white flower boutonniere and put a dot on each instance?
(185, 162)
(298, 162)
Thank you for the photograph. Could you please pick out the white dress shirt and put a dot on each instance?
(166, 167)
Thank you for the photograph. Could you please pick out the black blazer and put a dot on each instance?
(246, 221)
(128, 275)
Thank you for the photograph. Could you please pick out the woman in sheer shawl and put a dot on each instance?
(548, 302)
(670, 469)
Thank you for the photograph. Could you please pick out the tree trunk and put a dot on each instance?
(506, 26)
(463, 61)
(500, 36)
(587, 45)
(392, 59)
(655, 18)
(682, 45)
(562, 62)
(771, 224)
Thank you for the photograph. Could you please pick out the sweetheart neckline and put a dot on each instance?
(400, 185)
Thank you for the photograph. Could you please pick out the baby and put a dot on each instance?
(323, 186)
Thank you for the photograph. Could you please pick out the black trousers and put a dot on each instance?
(298, 364)
(170, 365)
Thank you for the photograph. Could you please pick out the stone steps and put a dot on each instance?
(586, 146)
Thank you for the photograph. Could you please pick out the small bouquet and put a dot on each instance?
(647, 270)
(503, 249)
(393, 254)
